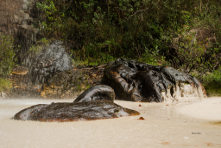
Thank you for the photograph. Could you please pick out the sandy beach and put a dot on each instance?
(179, 125)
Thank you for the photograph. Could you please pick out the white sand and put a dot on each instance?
(162, 127)
(207, 109)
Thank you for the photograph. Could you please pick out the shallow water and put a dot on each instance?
(164, 126)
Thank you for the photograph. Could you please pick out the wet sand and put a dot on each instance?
(165, 125)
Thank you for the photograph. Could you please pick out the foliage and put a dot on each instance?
(191, 54)
(4, 85)
(141, 30)
(153, 58)
(38, 47)
(6, 55)
(211, 82)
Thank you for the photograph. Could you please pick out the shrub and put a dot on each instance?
(189, 54)
(6, 55)
(211, 82)
(128, 28)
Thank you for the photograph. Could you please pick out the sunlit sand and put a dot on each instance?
(165, 125)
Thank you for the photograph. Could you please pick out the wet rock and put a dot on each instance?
(66, 84)
(25, 114)
(83, 109)
(137, 81)
(62, 112)
(97, 92)
(50, 61)
(141, 118)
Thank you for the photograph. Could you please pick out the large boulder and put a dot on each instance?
(50, 61)
(89, 106)
(137, 81)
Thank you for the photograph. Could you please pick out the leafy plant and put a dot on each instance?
(4, 85)
(191, 54)
(6, 55)
(132, 29)
(211, 82)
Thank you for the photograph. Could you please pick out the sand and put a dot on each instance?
(207, 109)
(180, 125)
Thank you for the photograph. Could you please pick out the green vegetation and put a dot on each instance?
(6, 55)
(101, 31)
(4, 85)
(6, 61)
(211, 81)
(39, 46)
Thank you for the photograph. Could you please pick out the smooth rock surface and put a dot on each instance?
(97, 92)
(95, 103)
(63, 112)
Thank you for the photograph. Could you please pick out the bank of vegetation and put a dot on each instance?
(7, 61)
(101, 31)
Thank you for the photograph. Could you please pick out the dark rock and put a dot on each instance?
(25, 114)
(53, 59)
(137, 81)
(97, 92)
(62, 112)
(141, 118)
(97, 107)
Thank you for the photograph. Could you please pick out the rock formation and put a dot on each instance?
(20, 19)
(136, 81)
(66, 84)
(93, 104)
(53, 59)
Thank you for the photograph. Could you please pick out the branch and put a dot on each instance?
(137, 12)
